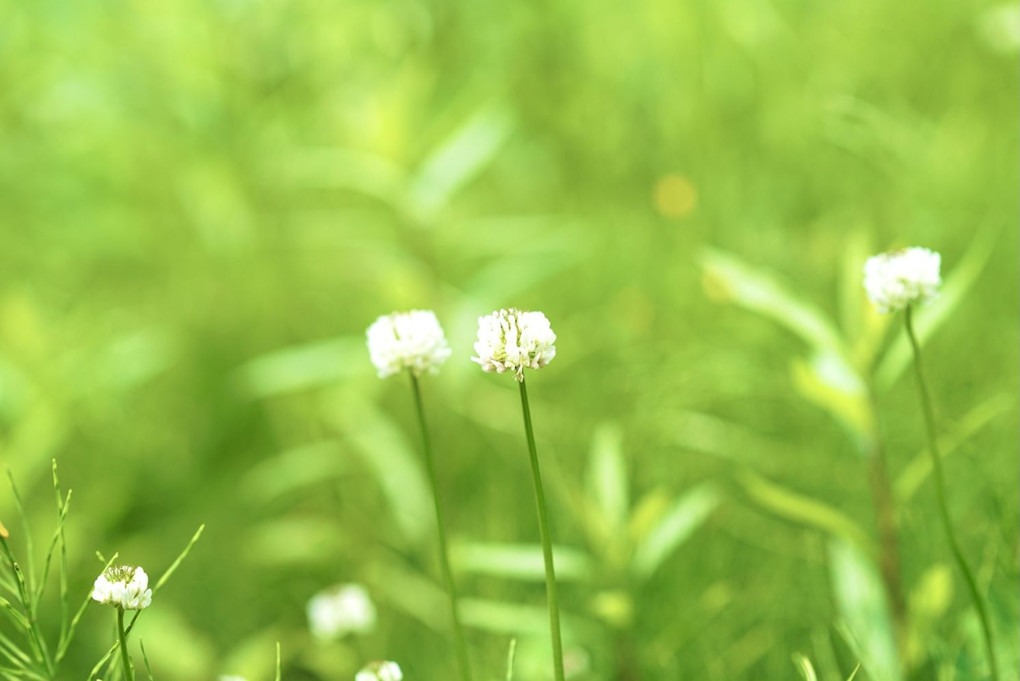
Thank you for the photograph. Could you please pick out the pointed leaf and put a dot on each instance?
(521, 561)
(861, 601)
(685, 516)
(731, 279)
(804, 510)
(607, 477)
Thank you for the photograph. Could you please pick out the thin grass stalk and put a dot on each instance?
(940, 494)
(547, 551)
(460, 642)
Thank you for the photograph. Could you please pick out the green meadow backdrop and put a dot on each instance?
(204, 203)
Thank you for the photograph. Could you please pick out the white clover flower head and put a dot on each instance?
(512, 340)
(340, 610)
(382, 670)
(232, 678)
(123, 586)
(900, 278)
(407, 340)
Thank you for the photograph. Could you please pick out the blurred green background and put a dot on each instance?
(205, 203)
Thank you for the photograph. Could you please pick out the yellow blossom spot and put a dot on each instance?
(675, 196)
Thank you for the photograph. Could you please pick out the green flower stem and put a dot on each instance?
(547, 553)
(125, 658)
(940, 493)
(444, 554)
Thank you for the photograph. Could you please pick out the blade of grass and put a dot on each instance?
(29, 548)
(61, 512)
(511, 653)
(180, 559)
(41, 587)
(145, 657)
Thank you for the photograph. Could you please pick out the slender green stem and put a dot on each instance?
(547, 553)
(460, 642)
(125, 658)
(940, 493)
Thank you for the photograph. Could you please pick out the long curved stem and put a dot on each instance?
(444, 555)
(547, 553)
(125, 658)
(940, 493)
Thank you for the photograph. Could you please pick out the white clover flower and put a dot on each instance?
(340, 610)
(512, 340)
(900, 278)
(407, 340)
(380, 671)
(232, 678)
(124, 586)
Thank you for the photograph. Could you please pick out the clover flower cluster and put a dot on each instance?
(900, 278)
(513, 340)
(123, 586)
(407, 340)
(340, 610)
(508, 340)
(383, 670)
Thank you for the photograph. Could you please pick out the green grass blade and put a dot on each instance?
(510, 655)
(757, 290)
(864, 610)
(686, 515)
(804, 510)
(29, 548)
(64, 597)
(54, 541)
(180, 559)
(145, 658)
(807, 670)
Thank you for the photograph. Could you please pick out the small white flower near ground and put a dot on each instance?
(341, 610)
(513, 340)
(407, 340)
(900, 278)
(380, 671)
(123, 586)
(232, 678)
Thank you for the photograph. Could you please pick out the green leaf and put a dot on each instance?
(459, 159)
(607, 479)
(521, 561)
(678, 523)
(928, 318)
(501, 617)
(919, 469)
(830, 383)
(864, 611)
(510, 659)
(805, 510)
(731, 279)
(294, 470)
(397, 468)
(807, 670)
(303, 367)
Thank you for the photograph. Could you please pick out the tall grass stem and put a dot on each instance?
(547, 551)
(940, 494)
(460, 643)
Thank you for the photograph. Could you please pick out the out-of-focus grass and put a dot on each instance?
(206, 203)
